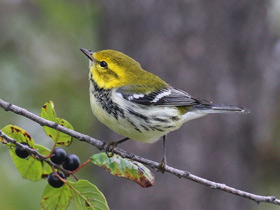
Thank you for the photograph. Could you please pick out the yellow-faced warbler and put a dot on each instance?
(139, 105)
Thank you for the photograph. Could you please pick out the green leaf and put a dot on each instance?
(46, 168)
(126, 168)
(87, 196)
(60, 138)
(18, 134)
(56, 198)
(29, 168)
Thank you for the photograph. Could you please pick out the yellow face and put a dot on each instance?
(110, 69)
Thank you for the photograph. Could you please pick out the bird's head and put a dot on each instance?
(111, 69)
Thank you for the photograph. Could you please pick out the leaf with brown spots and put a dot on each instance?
(29, 168)
(60, 138)
(125, 168)
(56, 198)
(18, 134)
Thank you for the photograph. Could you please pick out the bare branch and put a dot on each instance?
(101, 146)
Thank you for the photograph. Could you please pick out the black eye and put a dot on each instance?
(103, 64)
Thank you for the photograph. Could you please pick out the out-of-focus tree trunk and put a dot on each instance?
(216, 50)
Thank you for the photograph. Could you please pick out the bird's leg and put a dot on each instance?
(112, 145)
(163, 162)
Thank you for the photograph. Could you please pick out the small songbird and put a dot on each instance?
(138, 104)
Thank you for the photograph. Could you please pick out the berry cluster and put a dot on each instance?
(69, 162)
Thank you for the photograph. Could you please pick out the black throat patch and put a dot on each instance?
(103, 97)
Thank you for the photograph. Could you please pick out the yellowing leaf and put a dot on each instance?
(87, 196)
(56, 198)
(29, 168)
(126, 168)
(60, 138)
(18, 134)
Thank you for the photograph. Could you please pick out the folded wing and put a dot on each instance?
(168, 96)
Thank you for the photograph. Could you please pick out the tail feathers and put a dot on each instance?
(218, 108)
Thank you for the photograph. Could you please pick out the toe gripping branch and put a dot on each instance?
(110, 147)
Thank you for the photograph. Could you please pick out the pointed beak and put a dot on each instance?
(88, 53)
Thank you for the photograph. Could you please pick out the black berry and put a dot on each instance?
(58, 155)
(20, 152)
(71, 162)
(54, 181)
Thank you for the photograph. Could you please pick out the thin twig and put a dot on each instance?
(35, 154)
(101, 146)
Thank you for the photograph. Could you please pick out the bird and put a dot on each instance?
(139, 105)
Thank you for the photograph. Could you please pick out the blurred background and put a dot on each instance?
(224, 51)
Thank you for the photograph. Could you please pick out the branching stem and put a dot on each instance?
(101, 146)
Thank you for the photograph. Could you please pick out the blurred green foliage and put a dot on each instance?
(40, 61)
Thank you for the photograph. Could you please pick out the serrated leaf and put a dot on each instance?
(60, 138)
(56, 198)
(18, 134)
(126, 168)
(87, 196)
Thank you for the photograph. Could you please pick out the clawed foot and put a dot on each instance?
(162, 165)
(110, 148)
(112, 145)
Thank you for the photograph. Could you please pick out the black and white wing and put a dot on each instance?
(168, 96)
